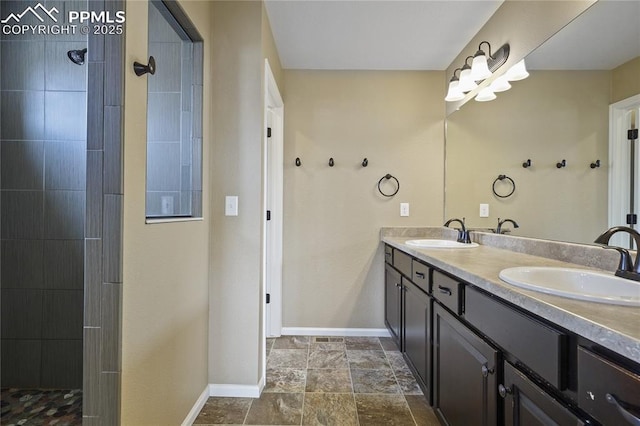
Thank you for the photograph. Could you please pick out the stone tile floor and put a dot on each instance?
(339, 381)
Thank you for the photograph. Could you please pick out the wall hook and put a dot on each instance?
(527, 163)
(596, 164)
(298, 162)
(331, 162)
(365, 162)
(561, 164)
(141, 69)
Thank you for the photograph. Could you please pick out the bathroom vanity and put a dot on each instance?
(485, 352)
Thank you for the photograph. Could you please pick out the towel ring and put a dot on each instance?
(387, 177)
(501, 178)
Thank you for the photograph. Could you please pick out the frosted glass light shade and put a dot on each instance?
(500, 84)
(466, 82)
(454, 93)
(485, 95)
(479, 67)
(517, 72)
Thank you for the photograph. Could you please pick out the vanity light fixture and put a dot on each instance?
(479, 66)
(517, 72)
(466, 83)
(486, 95)
(454, 93)
(500, 84)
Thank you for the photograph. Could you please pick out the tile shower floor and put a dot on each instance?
(338, 381)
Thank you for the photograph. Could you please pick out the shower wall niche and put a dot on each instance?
(43, 151)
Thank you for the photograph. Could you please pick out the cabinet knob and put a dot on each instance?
(486, 371)
(398, 285)
(503, 391)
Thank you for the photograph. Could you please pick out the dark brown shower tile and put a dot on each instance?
(422, 412)
(365, 359)
(383, 410)
(223, 411)
(336, 409)
(276, 409)
(319, 358)
(287, 358)
(374, 381)
(329, 380)
(362, 343)
(285, 380)
(291, 342)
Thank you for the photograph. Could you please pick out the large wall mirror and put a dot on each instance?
(561, 112)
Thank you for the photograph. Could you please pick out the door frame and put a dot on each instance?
(619, 163)
(273, 151)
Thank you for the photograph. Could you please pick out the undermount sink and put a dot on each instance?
(582, 284)
(434, 243)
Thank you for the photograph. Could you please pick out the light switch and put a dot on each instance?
(404, 209)
(231, 205)
(484, 210)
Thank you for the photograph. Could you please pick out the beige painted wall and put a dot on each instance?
(165, 303)
(626, 80)
(550, 116)
(235, 275)
(333, 265)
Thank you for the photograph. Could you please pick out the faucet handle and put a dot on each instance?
(625, 258)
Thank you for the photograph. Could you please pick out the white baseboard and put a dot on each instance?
(193, 414)
(350, 332)
(236, 391)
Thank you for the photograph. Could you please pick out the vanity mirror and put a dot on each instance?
(559, 115)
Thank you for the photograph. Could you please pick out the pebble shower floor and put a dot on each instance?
(41, 407)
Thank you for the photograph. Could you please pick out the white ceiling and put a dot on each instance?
(429, 34)
(375, 34)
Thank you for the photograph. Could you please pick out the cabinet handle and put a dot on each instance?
(420, 275)
(621, 406)
(486, 371)
(445, 290)
(503, 391)
(398, 285)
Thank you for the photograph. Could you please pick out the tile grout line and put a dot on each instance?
(404, 397)
(306, 375)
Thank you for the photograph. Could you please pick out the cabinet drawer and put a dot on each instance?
(538, 346)
(388, 254)
(598, 377)
(402, 262)
(448, 291)
(420, 275)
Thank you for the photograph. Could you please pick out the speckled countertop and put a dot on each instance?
(614, 327)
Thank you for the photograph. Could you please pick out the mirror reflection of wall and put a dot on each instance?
(561, 112)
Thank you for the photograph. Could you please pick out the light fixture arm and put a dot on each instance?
(480, 48)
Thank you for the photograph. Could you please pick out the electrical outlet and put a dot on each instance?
(231, 205)
(404, 209)
(484, 210)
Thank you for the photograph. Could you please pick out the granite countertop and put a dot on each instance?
(614, 327)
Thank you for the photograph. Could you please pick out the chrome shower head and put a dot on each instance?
(77, 56)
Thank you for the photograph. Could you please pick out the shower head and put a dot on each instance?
(77, 56)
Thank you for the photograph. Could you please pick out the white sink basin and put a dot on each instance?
(573, 283)
(433, 243)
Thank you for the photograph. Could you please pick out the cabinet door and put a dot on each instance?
(417, 331)
(464, 368)
(392, 303)
(528, 405)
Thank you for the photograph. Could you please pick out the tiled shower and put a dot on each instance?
(61, 197)
(43, 187)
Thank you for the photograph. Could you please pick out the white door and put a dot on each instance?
(624, 168)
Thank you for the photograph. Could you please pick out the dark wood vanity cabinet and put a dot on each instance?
(526, 404)
(464, 373)
(417, 333)
(393, 303)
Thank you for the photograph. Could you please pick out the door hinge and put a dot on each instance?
(268, 298)
(268, 214)
(632, 134)
(268, 132)
(632, 219)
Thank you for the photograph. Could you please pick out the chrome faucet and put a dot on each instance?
(626, 269)
(463, 233)
(499, 230)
